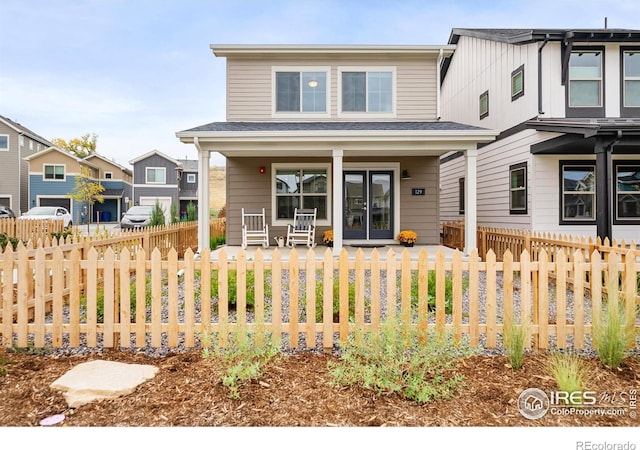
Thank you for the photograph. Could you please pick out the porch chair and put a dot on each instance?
(254, 228)
(303, 229)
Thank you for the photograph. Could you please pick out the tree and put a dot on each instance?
(174, 213)
(157, 215)
(87, 191)
(191, 212)
(81, 147)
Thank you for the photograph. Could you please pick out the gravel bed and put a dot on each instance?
(164, 349)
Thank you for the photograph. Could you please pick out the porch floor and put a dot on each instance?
(232, 251)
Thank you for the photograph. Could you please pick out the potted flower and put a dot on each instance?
(327, 238)
(407, 238)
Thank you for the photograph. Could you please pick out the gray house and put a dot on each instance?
(351, 130)
(16, 143)
(159, 177)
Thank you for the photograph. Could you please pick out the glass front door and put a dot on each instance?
(368, 205)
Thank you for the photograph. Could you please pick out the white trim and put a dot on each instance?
(8, 143)
(301, 165)
(10, 197)
(385, 166)
(146, 175)
(157, 186)
(44, 173)
(301, 114)
(367, 115)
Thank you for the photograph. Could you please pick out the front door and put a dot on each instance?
(368, 204)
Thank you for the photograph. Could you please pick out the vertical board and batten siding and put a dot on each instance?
(480, 65)
(249, 85)
(139, 169)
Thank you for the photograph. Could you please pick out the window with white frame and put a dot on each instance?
(631, 78)
(578, 195)
(301, 91)
(191, 178)
(627, 204)
(484, 104)
(517, 83)
(156, 175)
(518, 188)
(585, 80)
(300, 187)
(108, 175)
(54, 172)
(4, 142)
(367, 91)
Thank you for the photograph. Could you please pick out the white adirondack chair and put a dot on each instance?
(254, 228)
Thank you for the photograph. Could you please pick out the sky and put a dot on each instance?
(135, 72)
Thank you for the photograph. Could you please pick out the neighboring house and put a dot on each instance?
(159, 177)
(335, 128)
(567, 105)
(117, 181)
(16, 143)
(52, 176)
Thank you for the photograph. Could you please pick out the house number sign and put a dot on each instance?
(418, 191)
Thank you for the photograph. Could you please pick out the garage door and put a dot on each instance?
(165, 203)
(48, 201)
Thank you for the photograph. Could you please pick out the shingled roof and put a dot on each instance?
(24, 130)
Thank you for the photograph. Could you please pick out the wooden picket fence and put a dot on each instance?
(32, 229)
(66, 300)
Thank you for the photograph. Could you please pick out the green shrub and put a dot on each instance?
(62, 234)
(233, 287)
(612, 334)
(243, 359)
(217, 241)
(132, 299)
(191, 212)
(336, 298)
(5, 239)
(4, 363)
(174, 212)
(569, 371)
(431, 290)
(157, 215)
(391, 360)
(515, 337)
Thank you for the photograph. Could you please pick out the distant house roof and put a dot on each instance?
(154, 152)
(113, 163)
(189, 165)
(82, 161)
(24, 130)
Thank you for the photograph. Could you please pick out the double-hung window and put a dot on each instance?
(517, 83)
(585, 97)
(368, 92)
(578, 196)
(518, 189)
(301, 187)
(156, 175)
(631, 83)
(54, 172)
(627, 204)
(4, 142)
(301, 91)
(484, 105)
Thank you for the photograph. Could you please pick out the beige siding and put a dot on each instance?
(106, 166)
(450, 174)
(249, 85)
(72, 166)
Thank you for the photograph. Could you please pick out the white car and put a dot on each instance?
(48, 212)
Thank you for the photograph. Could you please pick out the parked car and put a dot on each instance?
(6, 213)
(136, 217)
(48, 212)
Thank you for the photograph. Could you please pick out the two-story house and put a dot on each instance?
(352, 130)
(16, 143)
(52, 176)
(117, 181)
(159, 177)
(567, 106)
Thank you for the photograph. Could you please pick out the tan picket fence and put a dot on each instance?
(32, 229)
(63, 300)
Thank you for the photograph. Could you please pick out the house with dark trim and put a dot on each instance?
(351, 130)
(117, 181)
(567, 105)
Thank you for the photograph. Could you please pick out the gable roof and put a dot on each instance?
(82, 161)
(189, 165)
(155, 152)
(24, 130)
(519, 36)
(113, 163)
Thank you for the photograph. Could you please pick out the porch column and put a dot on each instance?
(203, 198)
(604, 226)
(337, 201)
(470, 201)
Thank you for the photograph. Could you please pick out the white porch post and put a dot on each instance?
(337, 201)
(203, 197)
(470, 201)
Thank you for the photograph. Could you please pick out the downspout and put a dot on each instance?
(546, 39)
(439, 64)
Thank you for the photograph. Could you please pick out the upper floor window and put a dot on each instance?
(108, 175)
(585, 92)
(517, 83)
(301, 91)
(21, 141)
(156, 175)
(631, 83)
(191, 178)
(367, 91)
(4, 142)
(54, 172)
(518, 189)
(484, 104)
(578, 196)
(627, 204)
